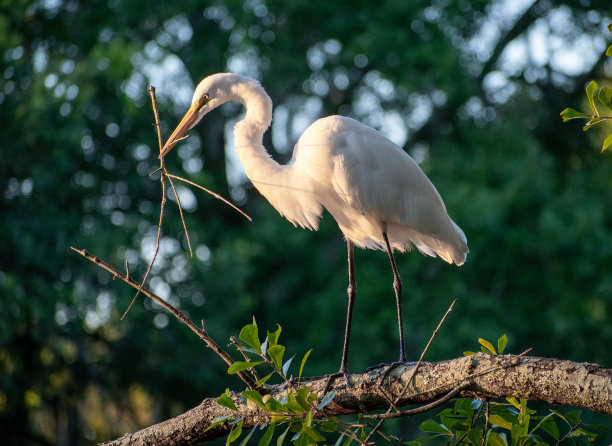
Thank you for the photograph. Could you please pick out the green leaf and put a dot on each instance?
(590, 92)
(501, 344)
(235, 432)
(254, 396)
(487, 347)
(281, 437)
(609, 51)
(273, 405)
(560, 415)
(239, 366)
(575, 416)
(327, 399)
(517, 432)
(496, 440)
(312, 433)
(293, 405)
(217, 421)
(263, 380)
(607, 142)
(570, 113)
(267, 437)
(499, 421)
(246, 439)
(276, 353)
(339, 440)
(273, 337)
(301, 399)
(475, 436)
(610, 27)
(605, 96)
(328, 426)
(286, 365)
(432, 426)
(514, 402)
(551, 428)
(250, 335)
(226, 401)
(348, 441)
(308, 419)
(302, 364)
(468, 353)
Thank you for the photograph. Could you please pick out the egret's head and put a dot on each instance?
(210, 93)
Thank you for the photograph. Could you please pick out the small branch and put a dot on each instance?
(404, 413)
(180, 208)
(393, 405)
(214, 194)
(433, 336)
(486, 424)
(160, 139)
(158, 238)
(202, 334)
(163, 203)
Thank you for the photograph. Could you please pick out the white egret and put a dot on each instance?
(377, 193)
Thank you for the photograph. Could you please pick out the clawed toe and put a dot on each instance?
(331, 378)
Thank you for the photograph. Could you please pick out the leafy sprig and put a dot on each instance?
(511, 422)
(297, 408)
(604, 97)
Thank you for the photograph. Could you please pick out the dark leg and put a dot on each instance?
(397, 286)
(351, 290)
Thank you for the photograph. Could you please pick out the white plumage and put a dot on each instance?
(376, 192)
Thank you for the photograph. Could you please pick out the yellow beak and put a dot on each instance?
(188, 121)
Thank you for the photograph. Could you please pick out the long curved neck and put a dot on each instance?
(248, 133)
(283, 186)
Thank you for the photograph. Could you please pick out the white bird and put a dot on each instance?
(376, 192)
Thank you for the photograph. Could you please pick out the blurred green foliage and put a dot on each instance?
(447, 80)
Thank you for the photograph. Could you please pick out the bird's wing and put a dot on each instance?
(374, 176)
(368, 183)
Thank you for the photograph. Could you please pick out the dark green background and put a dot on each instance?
(531, 193)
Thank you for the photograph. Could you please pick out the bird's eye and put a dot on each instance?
(203, 100)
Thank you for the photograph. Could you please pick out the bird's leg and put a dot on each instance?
(351, 291)
(397, 286)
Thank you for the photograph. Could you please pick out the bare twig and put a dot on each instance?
(214, 194)
(420, 409)
(570, 432)
(163, 203)
(180, 208)
(160, 139)
(202, 334)
(486, 425)
(159, 228)
(419, 362)
(433, 335)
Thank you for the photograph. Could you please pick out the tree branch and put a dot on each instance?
(478, 376)
(201, 333)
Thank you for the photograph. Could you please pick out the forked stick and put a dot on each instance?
(166, 176)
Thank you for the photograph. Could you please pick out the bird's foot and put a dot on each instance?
(331, 378)
(388, 369)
